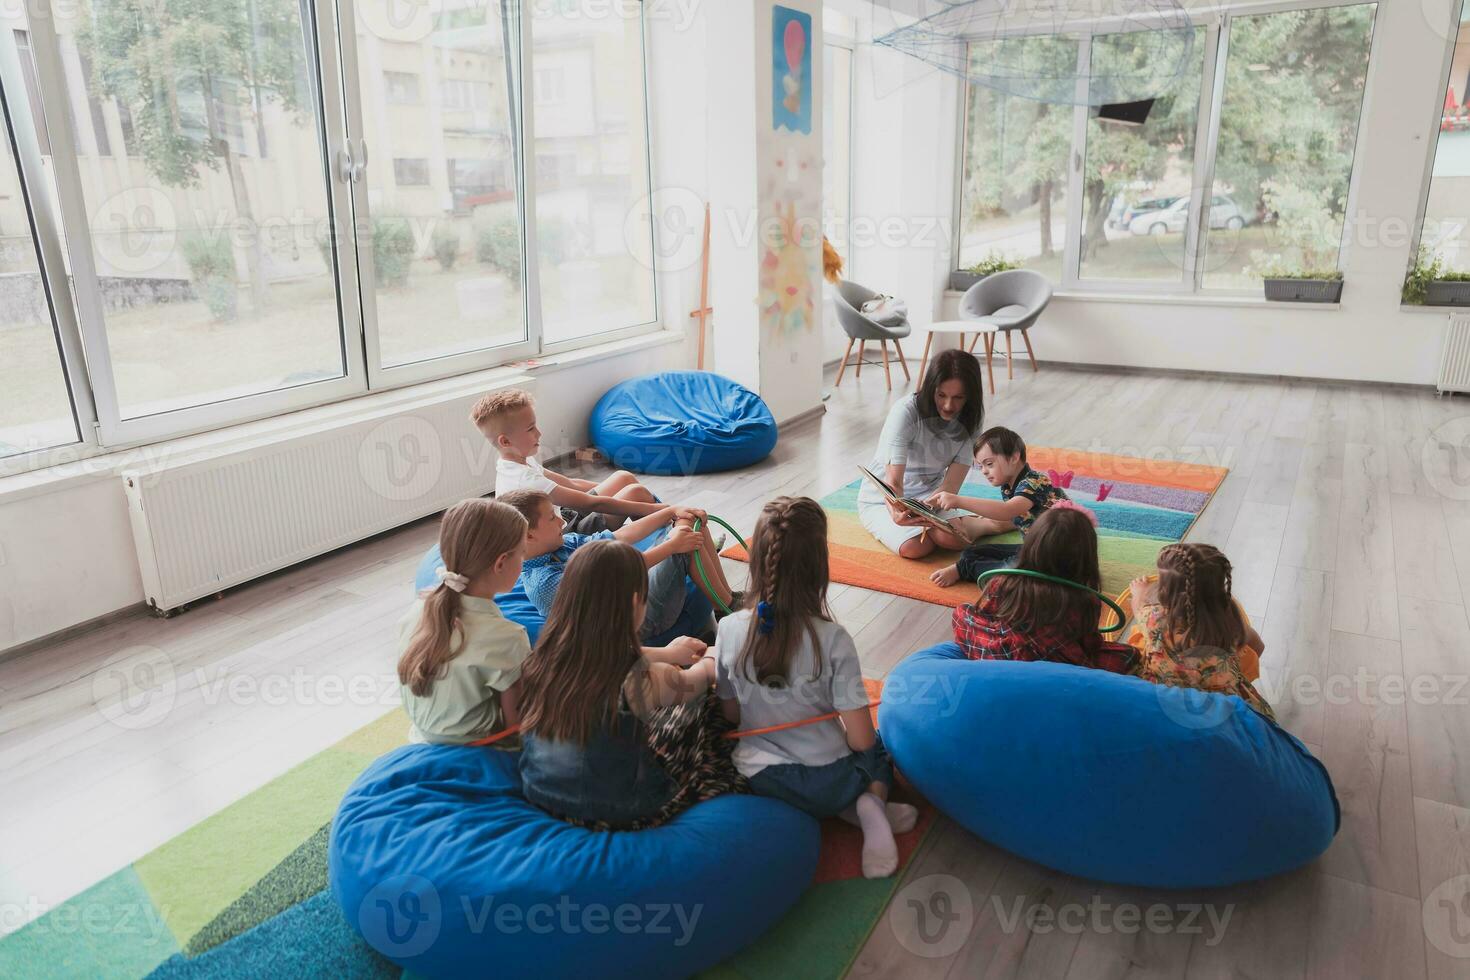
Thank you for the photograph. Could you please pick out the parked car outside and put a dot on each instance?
(1143, 207)
(1224, 213)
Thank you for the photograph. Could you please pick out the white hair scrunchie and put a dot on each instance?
(455, 581)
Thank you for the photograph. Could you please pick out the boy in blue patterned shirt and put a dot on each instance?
(549, 546)
(1025, 495)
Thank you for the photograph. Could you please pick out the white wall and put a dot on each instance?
(710, 91)
(67, 554)
(905, 155)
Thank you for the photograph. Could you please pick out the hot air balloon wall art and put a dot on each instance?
(791, 65)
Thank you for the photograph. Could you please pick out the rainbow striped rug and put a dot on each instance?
(245, 894)
(1149, 503)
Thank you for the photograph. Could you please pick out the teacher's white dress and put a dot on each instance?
(926, 448)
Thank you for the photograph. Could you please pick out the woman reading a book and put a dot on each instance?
(925, 447)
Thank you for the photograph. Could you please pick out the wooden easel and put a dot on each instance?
(705, 310)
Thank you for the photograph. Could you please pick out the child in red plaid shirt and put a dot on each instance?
(1020, 618)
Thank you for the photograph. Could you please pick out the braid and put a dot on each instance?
(1197, 596)
(789, 575)
(780, 523)
(1191, 590)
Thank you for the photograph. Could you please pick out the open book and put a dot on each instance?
(913, 506)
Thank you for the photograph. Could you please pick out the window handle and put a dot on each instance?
(360, 165)
(345, 167)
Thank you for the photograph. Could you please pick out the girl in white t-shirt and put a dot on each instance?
(782, 659)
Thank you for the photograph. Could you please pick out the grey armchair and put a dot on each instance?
(849, 300)
(1005, 302)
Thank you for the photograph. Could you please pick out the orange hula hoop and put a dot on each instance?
(746, 733)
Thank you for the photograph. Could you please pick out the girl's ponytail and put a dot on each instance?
(472, 537)
(788, 586)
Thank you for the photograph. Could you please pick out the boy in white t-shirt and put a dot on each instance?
(508, 419)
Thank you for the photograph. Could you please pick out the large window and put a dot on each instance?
(591, 148)
(446, 240)
(1288, 128)
(1014, 200)
(1096, 203)
(1446, 229)
(1137, 179)
(35, 401)
(837, 224)
(259, 206)
(202, 284)
(837, 145)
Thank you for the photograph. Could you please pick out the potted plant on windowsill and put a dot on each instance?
(1300, 266)
(1429, 283)
(1289, 284)
(962, 279)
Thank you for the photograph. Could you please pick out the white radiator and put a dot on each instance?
(206, 522)
(1454, 362)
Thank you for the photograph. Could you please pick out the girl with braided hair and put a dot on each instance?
(1191, 632)
(782, 659)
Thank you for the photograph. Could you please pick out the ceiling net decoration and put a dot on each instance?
(1011, 46)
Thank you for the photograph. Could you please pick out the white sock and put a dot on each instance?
(901, 817)
(880, 853)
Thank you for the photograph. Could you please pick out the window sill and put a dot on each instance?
(89, 465)
(1178, 299)
(1435, 310)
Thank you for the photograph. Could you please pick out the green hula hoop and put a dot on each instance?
(1027, 573)
(699, 565)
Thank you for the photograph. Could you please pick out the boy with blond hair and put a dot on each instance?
(508, 419)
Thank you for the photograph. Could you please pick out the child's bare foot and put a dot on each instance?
(946, 576)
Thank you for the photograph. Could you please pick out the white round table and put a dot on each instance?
(961, 327)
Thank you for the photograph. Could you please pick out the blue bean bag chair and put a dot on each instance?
(517, 607)
(682, 422)
(1104, 776)
(444, 868)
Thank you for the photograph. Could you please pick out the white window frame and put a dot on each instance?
(1432, 126)
(848, 44)
(76, 300)
(533, 289)
(355, 147)
(21, 133)
(1216, 23)
(112, 429)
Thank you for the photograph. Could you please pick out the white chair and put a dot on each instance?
(1005, 302)
(849, 299)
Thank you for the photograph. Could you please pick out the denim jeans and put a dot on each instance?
(978, 559)
(825, 791)
(666, 593)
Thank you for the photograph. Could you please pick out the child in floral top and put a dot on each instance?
(1190, 630)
